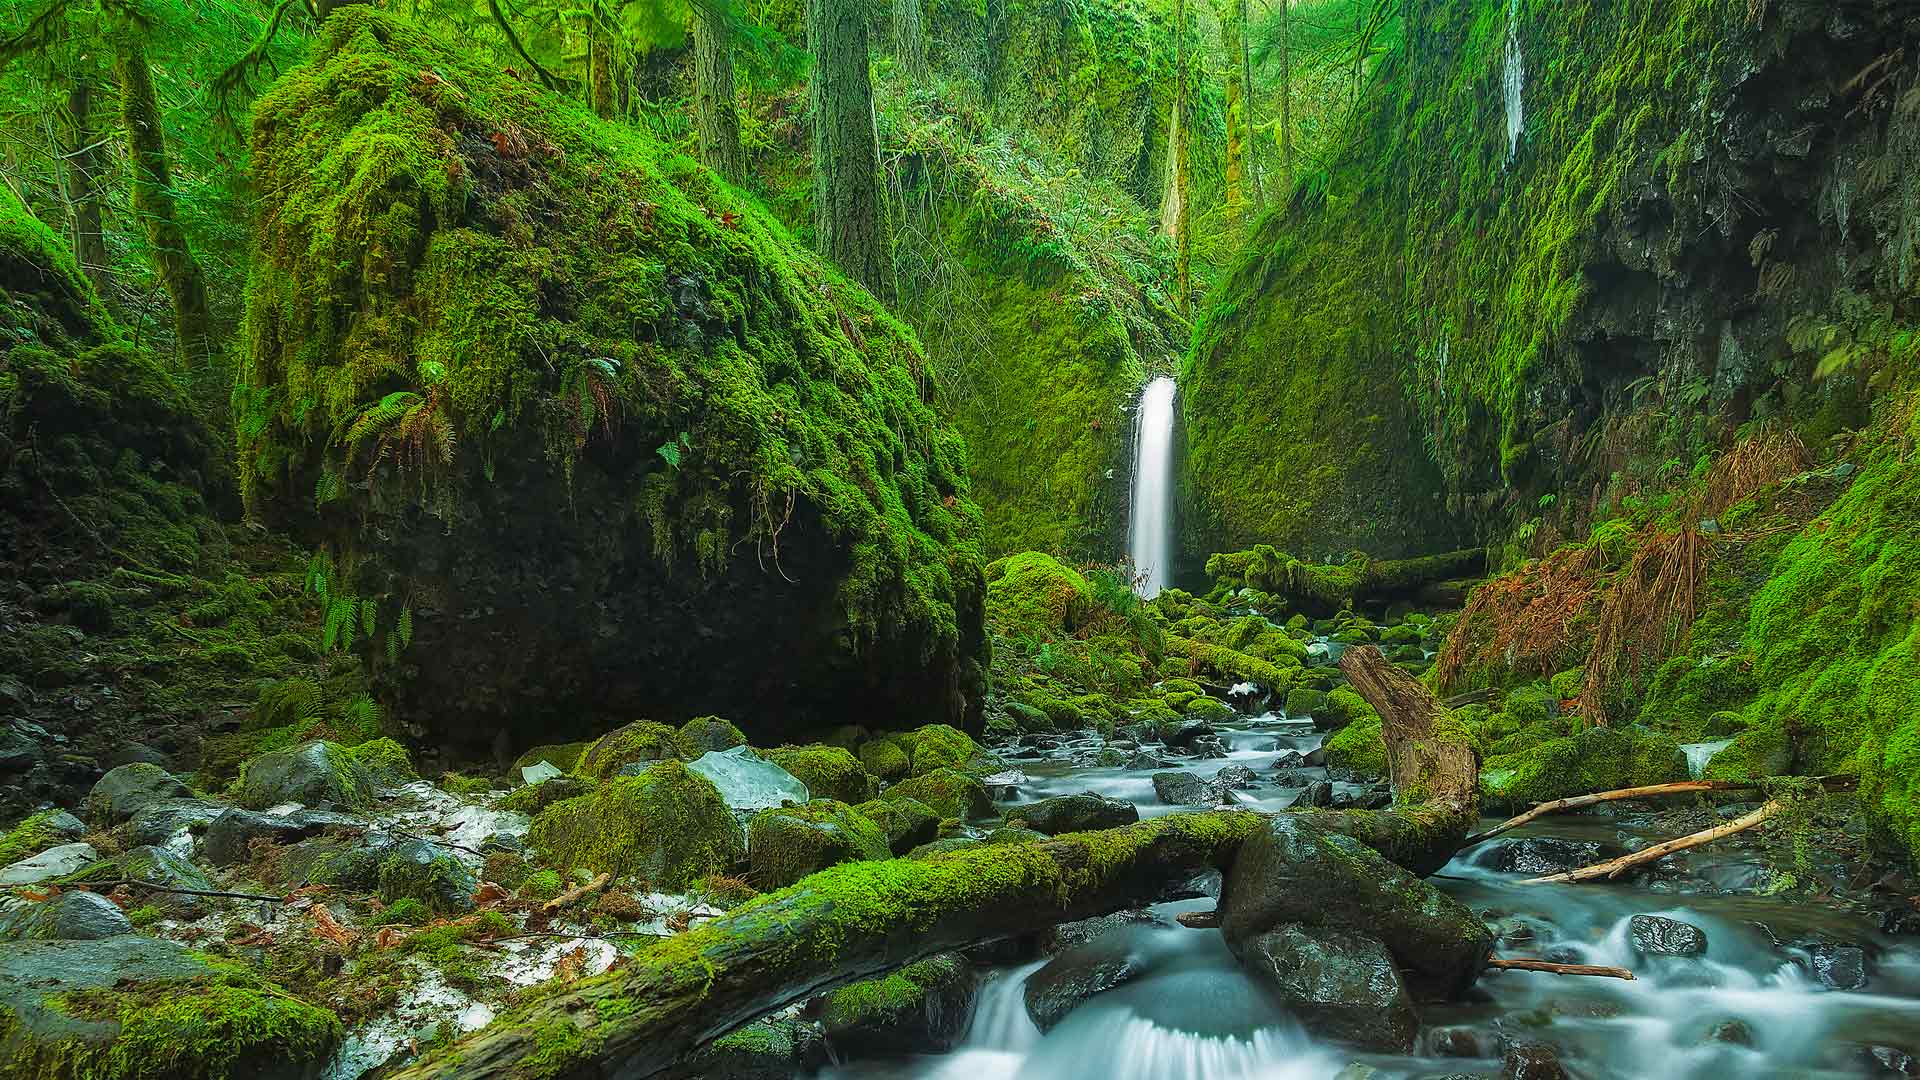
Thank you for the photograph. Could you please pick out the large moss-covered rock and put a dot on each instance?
(667, 825)
(922, 1008)
(321, 775)
(949, 792)
(123, 791)
(1034, 595)
(907, 822)
(128, 1006)
(1597, 759)
(641, 740)
(829, 772)
(638, 424)
(788, 843)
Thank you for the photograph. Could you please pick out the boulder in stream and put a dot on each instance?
(1657, 935)
(1340, 984)
(1079, 812)
(1183, 789)
(1078, 974)
(922, 1008)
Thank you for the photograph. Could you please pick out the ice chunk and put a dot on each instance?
(747, 781)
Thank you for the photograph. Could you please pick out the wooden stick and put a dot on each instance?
(1613, 868)
(1559, 969)
(1678, 787)
(574, 894)
(136, 883)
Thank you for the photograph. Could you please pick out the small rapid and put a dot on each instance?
(1150, 529)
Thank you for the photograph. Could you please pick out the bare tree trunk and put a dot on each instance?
(153, 200)
(846, 189)
(83, 184)
(1176, 208)
(716, 110)
(1286, 99)
(910, 40)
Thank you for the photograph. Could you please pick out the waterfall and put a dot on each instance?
(1514, 79)
(1150, 534)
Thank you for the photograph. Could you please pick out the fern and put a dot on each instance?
(404, 627)
(368, 613)
(337, 631)
(361, 714)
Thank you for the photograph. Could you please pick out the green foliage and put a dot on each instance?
(666, 826)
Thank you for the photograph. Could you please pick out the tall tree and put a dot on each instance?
(600, 87)
(153, 200)
(716, 109)
(1176, 207)
(1286, 99)
(910, 39)
(846, 183)
(1243, 176)
(82, 156)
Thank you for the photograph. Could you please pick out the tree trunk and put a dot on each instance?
(860, 919)
(1176, 208)
(1243, 181)
(1286, 99)
(716, 109)
(600, 85)
(83, 184)
(910, 40)
(846, 188)
(153, 202)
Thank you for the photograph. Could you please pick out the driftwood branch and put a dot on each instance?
(1552, 968)
(1678, 787)
(575, 893)
(1613, 868)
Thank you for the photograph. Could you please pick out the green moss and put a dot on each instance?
(542, 885)
(406, 911)
(562, 756)
(907, 822)
(704, 733)
(642, 740)
(1360, 746)
(533, 798)
(31, 836)
(1034, 596)
(892, 997)
(948, 792)
(789, 843)
(667, 825)
(885, 758)
(387, 760)
(1597, 759)
(829, 772)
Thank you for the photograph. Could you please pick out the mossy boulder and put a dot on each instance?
(623, 359)
(123, 791)
(788, 843)
(386, 761)
(1597, 759)
(1360, 747)
(562, 756)
(668, 826)
(641, 740)
(129, 1006)
(1078, 812)
(426, 874)
(907, 822)
(830, 772)
(948, 792)
(70, 916)
(922, 1008)
(941, 746)
(320, 775)
(703, 733)
(885, 759)
(37, 832)
(767, 1050)
(1034, 596)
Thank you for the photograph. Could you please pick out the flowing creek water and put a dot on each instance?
(1754, 1004)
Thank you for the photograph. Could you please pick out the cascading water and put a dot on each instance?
(1513, 80)
(1150, 533)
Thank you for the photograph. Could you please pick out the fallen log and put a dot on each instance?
(1613, 868)
(1320, 589)
(1505, 964)
(1678, 787)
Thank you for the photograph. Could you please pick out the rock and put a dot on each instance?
(1304, 703)
(1004, 785)
(1532, 1061)
(1079, 812)
(949, 792)
(1207, 746)
(1888, 1061)
(39, 831)
(153, 1009)
(1078, 974)
(172, 822)
(1318, 794)
(830, 772)
(156, 866)
(1183, 789)
(1735, 1032)
(707, 734)
(1015, 834)
(1146, 759)
(908, 823)
(1234, 777)
(941, 847)
(1537, 856)
(1294, 871)
(1316, 757)
(1071, 935)
(1656, 935)
(1289, 759)
(71, 916)
(52, 863)
(1339, 983)
(426, 872)
(776, 1049)
(668, 825)
(787, 844)
(1182, 732)
(747, 782)
(922, 1008)
(121, 793)
(1452, 1042)
(18, 753)
(319, 775)
(1836, 966)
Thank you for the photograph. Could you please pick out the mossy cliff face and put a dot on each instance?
(1696, 210)
(588, 414)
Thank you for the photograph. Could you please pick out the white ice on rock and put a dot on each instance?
(748, 782)
(51, 863)
(427, 811)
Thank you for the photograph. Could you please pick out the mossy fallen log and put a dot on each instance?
(860, 919)
(1321, 589)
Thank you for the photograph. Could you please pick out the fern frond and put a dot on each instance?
(405, 627)
(368, 612)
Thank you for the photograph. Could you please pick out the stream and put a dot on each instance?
(1783, 989)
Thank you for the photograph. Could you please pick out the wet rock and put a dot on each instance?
(1234, 777)
(1836, 966)
(787, 844)
(1290, 759)
(1735, 1032)
(1656, 935)
(1078, 974)
(1537, 856)
(1147, 759)
(1078, 812)
(51, 863)
(908, 823)
(71, 916)
(1888, 1061)
(168, 821)
(1315, 758)
(1318, 794)
(1183, 789)
(1532, 1061)
(1004, 785)
(18, 752)
(1451, 1042)
(950, 792)
(320, 775)
(121, 793)
(1071, 935)
(1293, 780)
(1108, 757)
(229, 837)
(433, 875)
(1294, 871)
(1207, 746)
(1339, 983)
(1181, 734)
(922, 1008)
(776, 1049)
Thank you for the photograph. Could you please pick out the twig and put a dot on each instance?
(138, 884)
(574, 894)
(1678, 787)
(1613, 868)
(1559, 969)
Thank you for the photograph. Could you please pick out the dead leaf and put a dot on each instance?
(571, 965)
(490, 893)
(327, 927)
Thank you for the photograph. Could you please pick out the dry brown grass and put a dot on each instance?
(1645, 611)
(1525, 621)
(1768, 456)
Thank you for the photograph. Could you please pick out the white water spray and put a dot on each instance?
(1150, 534)
(1513, 80)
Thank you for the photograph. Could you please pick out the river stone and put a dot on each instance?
(1294, 871)
(1182, 789)
(908, 823)
(242, 1028)
(51, 863)
(228, 840)
(71, 916)
(1837, 966)
(320, 775)
(923, 1008)
(1078, 974)
(121, 793)
(1318, 794)
(1340, 984)
(1537, 856)
(1078, 812)
(167, 821)
(1289, 759)
(1074, 934)
(1143, 760)
(1532, 1061)
(1234, 777)
(1656, 935)
(778, 1049)
(1183, 733)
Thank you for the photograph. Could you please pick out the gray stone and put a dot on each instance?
(229, 839)
(71, 916)
(1656, 935)
(925, 1009)
(52, 863)
(433, 875)
(319, 775)
(1318, 794)
(1836, 966)
(1078, 812)
(1237, 777)
(1078, 974)
(121, 793)
(1532, 1061)
(1340, 984)
(164, 821)
(1183, 789)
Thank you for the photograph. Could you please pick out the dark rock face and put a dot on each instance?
(923, 1008)
(1078, 974)
(1837, 966)
(121, 793)
(228, 838)
(1341, 984)
(160, 822)
(1293, 871)
(1655, 935)
(318, 775)
(1537, 856)
(1318, 794)
(71, 916)
(1074, 934)
(1183, 789)
(1076, 813)
(1532, 1061)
